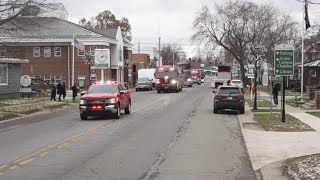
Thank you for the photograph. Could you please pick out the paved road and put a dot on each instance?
(137, 146)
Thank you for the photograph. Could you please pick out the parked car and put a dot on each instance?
(103, 99)
(144, 84)
(228, 98)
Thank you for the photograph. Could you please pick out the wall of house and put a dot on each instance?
(13, 87)
(311, 80)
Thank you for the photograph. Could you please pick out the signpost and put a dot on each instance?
(102, 60)
(283, 66)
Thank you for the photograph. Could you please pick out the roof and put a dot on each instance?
(312, 64)
(13, 61)
(43, 27)
(110, 32)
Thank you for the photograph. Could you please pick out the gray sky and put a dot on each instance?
(172, 19)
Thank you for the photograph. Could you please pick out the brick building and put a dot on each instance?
(139, 61)
(47, 42)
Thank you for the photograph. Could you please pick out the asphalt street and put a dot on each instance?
(139, 146)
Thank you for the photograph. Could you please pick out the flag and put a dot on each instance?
(306, 17)
(79, 45)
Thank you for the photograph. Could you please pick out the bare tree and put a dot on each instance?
(11, 9)
(168, 52)
(236, 24)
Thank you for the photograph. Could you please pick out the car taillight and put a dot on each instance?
(219, 96)
(157, 81)
(239, 96)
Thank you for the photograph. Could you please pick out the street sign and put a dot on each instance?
(102, 59)
(283, 60)
(275, 78)
(25, 80)
(249, 71)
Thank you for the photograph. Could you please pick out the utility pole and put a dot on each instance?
(139, 47)
(172, 55)
(159, 52)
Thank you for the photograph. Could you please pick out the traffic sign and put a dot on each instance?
(283, 60)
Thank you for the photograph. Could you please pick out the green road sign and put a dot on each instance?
(275, 78)
(283, 60)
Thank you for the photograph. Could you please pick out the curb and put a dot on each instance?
(32, 118)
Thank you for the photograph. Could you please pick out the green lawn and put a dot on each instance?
(263, 103)
(273, 123)
(7, 115)
(317, 114)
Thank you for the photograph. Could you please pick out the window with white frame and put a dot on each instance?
(92, 50)
(47, 79)
(47, 52)
(36, 79)
(57, 51)
(313, 73)
(3, 74)
(3, 51)
(36, 52)
(57, 79)
(81, 53)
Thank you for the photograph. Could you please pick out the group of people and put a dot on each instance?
(60, 89)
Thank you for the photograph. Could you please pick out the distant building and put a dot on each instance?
(139, 61)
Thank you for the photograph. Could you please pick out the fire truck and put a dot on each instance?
(168, 79)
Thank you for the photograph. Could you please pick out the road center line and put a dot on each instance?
(44, 151)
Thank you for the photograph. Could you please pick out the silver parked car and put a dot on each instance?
(144, 84)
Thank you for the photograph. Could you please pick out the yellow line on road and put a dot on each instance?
(143, 107)
(44, 151)
(2, 167)
(26, 161)
(13, 167)
(43, 154)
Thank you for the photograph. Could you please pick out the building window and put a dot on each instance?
(3, 74)
(3, 51)
(92, 50)
(81, 53)
(57, 79)
(47, 52)
(134, 68)
(313, 73)
(57, 51)
(36, 52)
(36, 79)
(47, 79)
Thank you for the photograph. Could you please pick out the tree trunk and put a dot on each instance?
(243, 74)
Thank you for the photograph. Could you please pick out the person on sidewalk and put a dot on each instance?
(64, 91)
(59, 90)
(53, 92)
(275, 92)
(74, 92)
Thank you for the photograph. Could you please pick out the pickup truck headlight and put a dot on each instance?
(174, 81)
(82, 102)
(112, 100)
(189, 79)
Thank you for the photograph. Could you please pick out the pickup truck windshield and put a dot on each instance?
(101, 89)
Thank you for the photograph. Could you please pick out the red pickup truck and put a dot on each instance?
(103, 99)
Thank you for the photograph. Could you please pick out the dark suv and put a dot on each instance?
(228, 97)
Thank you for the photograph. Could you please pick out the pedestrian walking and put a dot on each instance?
(59, 90)
(64, 91)
(275, 92)
(53, 92)
(74, 92)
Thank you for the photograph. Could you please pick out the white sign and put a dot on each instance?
(25, 90)
(102, 59)
(249, 71)
(25, 80)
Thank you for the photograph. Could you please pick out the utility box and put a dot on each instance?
(317, 99)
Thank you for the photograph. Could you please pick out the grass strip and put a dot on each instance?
(273, 123)
(7, 115)
(260, 103)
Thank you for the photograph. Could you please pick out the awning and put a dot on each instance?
(13, 61)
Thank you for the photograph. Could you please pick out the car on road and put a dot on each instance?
(103, 98)
(144, 84)
(236, 82)
(228, 98)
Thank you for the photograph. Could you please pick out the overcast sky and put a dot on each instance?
(171, 19)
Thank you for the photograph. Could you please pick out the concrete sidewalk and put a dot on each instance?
(267, 147)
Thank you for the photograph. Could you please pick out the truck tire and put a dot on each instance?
(158, 91)
(190, 85)
(83, 117)
(215, 110)
(241, 110)
(117, 114)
